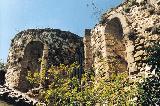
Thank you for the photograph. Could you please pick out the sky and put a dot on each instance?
(68, 15)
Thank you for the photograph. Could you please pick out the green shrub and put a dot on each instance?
(149, 89)
(66, 88)
(2, 65)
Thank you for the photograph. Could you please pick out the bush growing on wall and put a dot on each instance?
(150, 87)
(66, 88)
(2, 65)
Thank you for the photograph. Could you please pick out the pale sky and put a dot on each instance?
(68, 15)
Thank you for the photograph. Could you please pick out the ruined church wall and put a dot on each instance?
(143, 17)
(140, 26)
(30, 46)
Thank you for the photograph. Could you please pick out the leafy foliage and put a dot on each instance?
(153, 59)
(150, 93)
(2, 65)
(66, 88)
(117, 90)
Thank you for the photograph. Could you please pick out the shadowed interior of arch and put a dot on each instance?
(32, 55)
(115, 44)
(32, 58)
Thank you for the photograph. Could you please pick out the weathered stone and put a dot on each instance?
(121, 37)
(139, 53)
(130, 48)
(129, 30)
(138, 58)
(53, 45)
(17, 98)
(139, 48)
(140, 1)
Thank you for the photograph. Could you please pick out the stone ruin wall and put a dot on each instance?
(123, 34)
(30, 46)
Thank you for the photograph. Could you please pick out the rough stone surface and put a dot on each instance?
(17, 98)
(29, 47)
(118, 41)
(124, 32)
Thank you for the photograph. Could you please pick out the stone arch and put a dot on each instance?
(122, 19)
(55, 47)
(33, 53)
(115, 46)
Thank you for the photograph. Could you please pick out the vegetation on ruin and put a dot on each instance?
(150, 93)
(66, 88)
(2, 65)
(63, 86)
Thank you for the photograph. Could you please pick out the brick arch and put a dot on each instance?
(115, 46)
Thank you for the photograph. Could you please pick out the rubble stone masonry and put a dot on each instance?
(29, 47)
(117, 43)
(122, 36)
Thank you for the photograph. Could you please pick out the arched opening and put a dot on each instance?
(32, 55)
(115, 48)
(31, 62)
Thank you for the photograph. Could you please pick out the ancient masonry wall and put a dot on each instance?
(122, 36)
(87, 49)
(117, 43)
(29, 47)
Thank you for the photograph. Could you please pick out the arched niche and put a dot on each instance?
(31, 62)
(115, 47)
(32, 55)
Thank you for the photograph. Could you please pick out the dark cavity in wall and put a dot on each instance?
(114, 32)
(2, 77)
(32, 57)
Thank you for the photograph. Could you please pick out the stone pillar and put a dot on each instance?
(130, 57)
(87, 49)
(44, 66)
(44, 57)
(130, 49)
